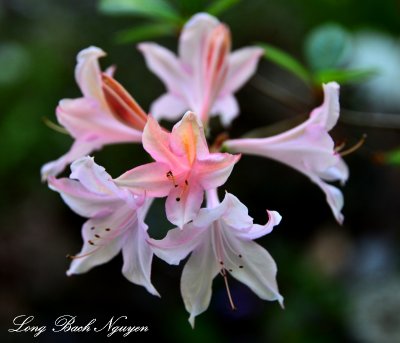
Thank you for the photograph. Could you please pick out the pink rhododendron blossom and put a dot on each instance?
(205, 75)
(184, 167)
(105, 114)
(116, 222)
(220, 241)
(307, 148)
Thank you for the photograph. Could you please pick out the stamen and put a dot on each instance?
(355, 147)
(228, 292)
(74, 257)
(340, 146)
(221, 138)
(54, 126)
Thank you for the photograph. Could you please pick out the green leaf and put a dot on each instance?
(286, 61)
(189, 7)
(343, 76)
(144, 32)
(327, 47)
(220, 6)
(155, 9)
(393, 157)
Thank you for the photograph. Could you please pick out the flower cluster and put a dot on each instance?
(186, 170)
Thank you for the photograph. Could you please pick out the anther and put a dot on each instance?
(171, 177)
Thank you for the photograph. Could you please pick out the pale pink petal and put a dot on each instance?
(165, 65)
(85, 116)
(231, 211)
(328, 113)
(257, 231)
(227, 107)
(81, 200)
(214, 170)
(251, 264)
(236, 215)
(188, 139)
(93, 177)
(73, 114)
(138, 256)
(334, 198)
(88, 73)
(339, 171)
(183, 205)
(156, 141)
(91, 255)
(193, 37)
(177, 244)
(151, 179)
(197, 277)
(242, 65)
(313, 161)
(78, 149)
(168, 106)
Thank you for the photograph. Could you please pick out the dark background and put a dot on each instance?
(340, 283)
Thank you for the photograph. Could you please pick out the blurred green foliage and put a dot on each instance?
(393, 157)
(167, 17)
(327, 48)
